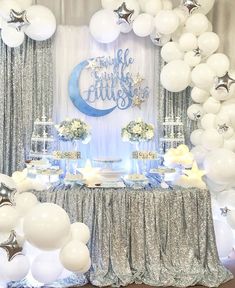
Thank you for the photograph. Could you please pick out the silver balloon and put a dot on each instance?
(224, 82)
(18, 19)
(158, 38)
(124, 14)
(224, 211)
(191, 5)
(6, 195)
(12, 246)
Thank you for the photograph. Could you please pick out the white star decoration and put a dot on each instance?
(137, 79)
(195, 172)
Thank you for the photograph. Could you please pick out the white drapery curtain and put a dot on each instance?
(72, 46)
(79, 12)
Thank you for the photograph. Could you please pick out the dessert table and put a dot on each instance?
(160, 237)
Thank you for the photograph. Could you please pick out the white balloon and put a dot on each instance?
(171, 51)
(167, 5)
(46, 267)
(211, 106)
(228, 135)
(219, 94)
(197, 24)
(222, 119)
(205, 5)
(208, 121)
(175, 76)
(195, 112)
(143, 25)
(226, 199)
(86, 267)
(203, 76)
(215, 164)
(8, 218)
(188, 42)
(199, 154)
(11, 37)
(196, 137)
(152, 7)
(231, 218)
(47, 226)
(8, 181)
(103, 26)
(212, 139)
(159, 39)
(230, 143)
(74, 256)
(224, 238)
(198, 95)
(6, 6)
(228, 109)
(219, 63)
(166, 21)
(124, 28)
(42, 23)
(182, 14)
(24, 202)
(192, 59)
(80, 231)
(18, 268)
(208, 43)
(24, 4)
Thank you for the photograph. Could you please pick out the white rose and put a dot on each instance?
(137, 129)
(149, 134)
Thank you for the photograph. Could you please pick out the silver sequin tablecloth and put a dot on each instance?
(157, 237)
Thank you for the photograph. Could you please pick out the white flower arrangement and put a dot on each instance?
(137, 131)
(75, 129)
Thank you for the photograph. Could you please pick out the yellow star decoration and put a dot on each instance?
(137, 102)
(92, 64)
(195, 172)
(137, 79)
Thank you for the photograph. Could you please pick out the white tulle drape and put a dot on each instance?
(73, 45)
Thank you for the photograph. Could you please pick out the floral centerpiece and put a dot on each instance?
(138, 131)
(72, 130)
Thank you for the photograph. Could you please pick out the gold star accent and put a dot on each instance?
(11, 246)
(137, 79)
(195, 172)
(137, 102)
(93, 65)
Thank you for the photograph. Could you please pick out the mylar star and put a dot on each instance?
(194, 172)
(224, 82)
(222, 128)
(224, 211)
(93, 65)
(197, 52)
(124, 14)
(191, 5)
(197, 115)
(6, 195)
(137, 79)
(11, 246)
(137, 102)
(18, 19)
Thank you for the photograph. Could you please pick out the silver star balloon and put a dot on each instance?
(124, 14)
(191, 5)
(6, 195)
(222, 128)
(224, 211)
(18, 19)
(12, 246)
(197, 116)
(197, 52)
(224, 82)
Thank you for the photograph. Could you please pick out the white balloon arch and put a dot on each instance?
(189, 49)
(18, 17)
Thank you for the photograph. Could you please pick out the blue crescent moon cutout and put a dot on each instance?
(75, 95)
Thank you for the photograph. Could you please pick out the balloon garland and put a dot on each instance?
(189, 49)
(18, 18)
